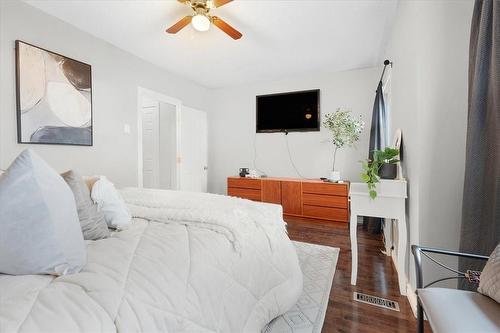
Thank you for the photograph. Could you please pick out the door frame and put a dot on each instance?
(141, 92)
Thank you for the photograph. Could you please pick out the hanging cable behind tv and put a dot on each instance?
(262, 173)
(290, 156)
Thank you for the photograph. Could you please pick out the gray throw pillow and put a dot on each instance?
(92, 220)
(489, 284)
(39, 228)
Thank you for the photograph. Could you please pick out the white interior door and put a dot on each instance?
(150, 143)
(194, 150)
(167, 146)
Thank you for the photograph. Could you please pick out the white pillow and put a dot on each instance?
(39, 227)
(109, 201)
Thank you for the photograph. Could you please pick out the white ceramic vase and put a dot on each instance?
(334, 176)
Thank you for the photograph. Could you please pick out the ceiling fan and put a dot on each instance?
(201, 19)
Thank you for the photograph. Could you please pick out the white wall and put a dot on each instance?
(116, 76)
(232, 129)
(403, 52)
(444, 90)
(429, 48)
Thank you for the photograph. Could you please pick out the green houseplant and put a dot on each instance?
(345, 130)
(371, 168)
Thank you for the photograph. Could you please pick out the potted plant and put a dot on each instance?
(345, 130)
(372, 169)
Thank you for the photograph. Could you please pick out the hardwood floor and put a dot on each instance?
(376, 276)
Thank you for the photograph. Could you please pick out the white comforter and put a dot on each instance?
(204, 263)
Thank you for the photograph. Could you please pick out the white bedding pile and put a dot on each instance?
(204, 263)
(238, 219)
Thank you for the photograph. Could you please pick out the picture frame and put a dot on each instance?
(53, 98)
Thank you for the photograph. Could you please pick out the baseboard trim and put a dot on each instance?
(412, 298)
(411, 295)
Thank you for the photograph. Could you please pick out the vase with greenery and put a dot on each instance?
(371, 168)
(345, 130)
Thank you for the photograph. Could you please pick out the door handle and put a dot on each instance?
(205, 168)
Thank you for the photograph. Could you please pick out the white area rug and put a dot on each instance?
(318, 265)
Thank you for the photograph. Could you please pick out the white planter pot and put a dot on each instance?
(334, 176)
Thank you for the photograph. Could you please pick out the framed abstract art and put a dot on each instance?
(54, 98)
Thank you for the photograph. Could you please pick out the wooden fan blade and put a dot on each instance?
(219, 3)
(222, 25)
(179, 25)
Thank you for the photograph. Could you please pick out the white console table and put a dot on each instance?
(390, 204)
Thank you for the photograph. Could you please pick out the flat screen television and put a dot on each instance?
(296, 111)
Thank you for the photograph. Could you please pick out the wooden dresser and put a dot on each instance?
(299, 197)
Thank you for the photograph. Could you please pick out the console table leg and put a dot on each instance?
(402, 243)
(354, 248)
(388, 236)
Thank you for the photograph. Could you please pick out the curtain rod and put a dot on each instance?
(386, 62)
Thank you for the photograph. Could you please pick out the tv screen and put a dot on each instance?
(291, 111)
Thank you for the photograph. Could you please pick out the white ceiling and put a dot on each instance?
(280, 38)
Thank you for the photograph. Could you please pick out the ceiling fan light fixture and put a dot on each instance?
(201, 19)
(200, 22)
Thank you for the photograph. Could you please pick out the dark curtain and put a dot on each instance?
(378, 129)
(480, 231)
(378, 141)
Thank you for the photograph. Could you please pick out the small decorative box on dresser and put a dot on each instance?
(299, 197)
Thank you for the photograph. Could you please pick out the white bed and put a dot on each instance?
(207, 263)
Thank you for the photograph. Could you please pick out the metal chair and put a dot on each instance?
(418, 252)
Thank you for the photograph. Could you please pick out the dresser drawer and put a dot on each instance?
(245, 193)
(327, 213)
(244, 183)
(324, 200)
(325, 188)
